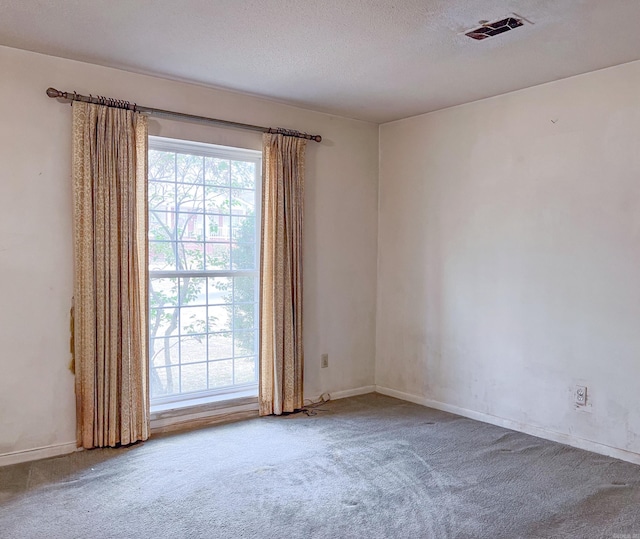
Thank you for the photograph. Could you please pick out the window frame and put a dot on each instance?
(234, 154)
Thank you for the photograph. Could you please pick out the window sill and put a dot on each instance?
(204, 411)
(196, 402)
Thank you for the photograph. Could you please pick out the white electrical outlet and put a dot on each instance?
(581, 395)
(324, 361)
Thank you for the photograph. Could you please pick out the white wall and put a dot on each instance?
(36, 388)
(509, 257)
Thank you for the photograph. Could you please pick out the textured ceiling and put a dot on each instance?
(376, 60)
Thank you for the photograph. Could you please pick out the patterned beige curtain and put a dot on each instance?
(281, 352)
(110, 286)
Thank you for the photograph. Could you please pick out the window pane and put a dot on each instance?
(220, 345)
(218, 256)
(220, 373)
(190, 227)
(245, 370)
(193, 320)
(164, 352)
(189, 197)
(216, 200)
(245, 343)
(190, 256)
(243, 174)
(243, 202)
(194, 377)
(189, 168)
(161, 225)
(161, 256)
(243, 316)
(193, 349)
(245, 289)
(219, 290)
(243, 228)
(162, 196)
(164, 381)
(163, 292)
(217, 228)
(243, 256)
(164, 322)
(219, 318)
(193, 291)
(161, 166)
(216, 171)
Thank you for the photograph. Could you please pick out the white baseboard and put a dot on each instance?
(335, 395)
(404, 396)
(37, 453)
(573, 441)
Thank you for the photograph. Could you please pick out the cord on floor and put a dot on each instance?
(311, 408)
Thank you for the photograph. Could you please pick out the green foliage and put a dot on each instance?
(244, 293)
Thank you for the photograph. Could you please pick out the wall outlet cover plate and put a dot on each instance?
(581, 395)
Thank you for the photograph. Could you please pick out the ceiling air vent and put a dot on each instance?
(490, 29)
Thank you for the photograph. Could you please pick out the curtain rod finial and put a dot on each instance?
(52, 92)
(317, 138)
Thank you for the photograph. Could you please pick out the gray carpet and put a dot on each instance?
(368, 466)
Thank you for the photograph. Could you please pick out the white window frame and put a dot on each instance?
(223, 152)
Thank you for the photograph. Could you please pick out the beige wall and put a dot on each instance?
(509, 257)
(36, 388)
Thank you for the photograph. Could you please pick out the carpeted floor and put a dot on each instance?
(369, 466)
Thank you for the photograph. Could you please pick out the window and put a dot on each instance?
(203, 269)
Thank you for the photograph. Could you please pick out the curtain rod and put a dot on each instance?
(119, 104)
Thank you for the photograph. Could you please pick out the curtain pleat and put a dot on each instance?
(281, 321)
(110, 285)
